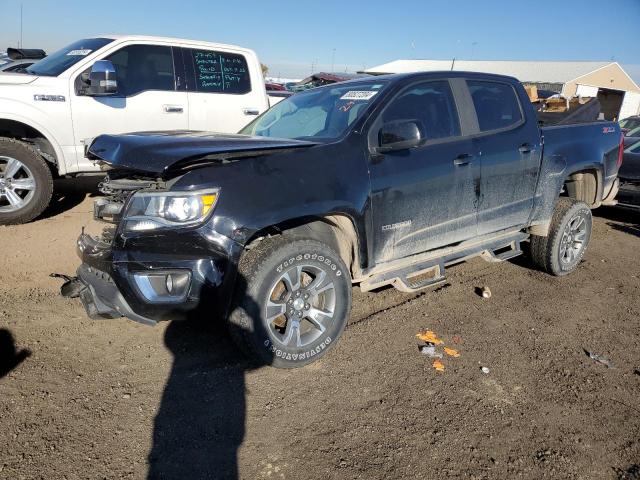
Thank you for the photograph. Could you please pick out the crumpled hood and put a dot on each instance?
(12, 78)
(159, 152)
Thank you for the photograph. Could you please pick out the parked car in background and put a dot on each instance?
(21, 58)
(630, 169)
(629, 175)
(322, 78)
(274, 87)
(631, 136)
(276, 93)
(377, 181)
(630, 123)
(113, 84)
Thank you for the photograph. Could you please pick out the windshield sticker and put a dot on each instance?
(358, 95)
(79, 53)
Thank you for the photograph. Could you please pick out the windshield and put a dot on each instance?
(633, 133)
(323, 114)
(630, 123)
(58, 62)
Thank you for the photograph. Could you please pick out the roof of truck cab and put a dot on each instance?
(527, 71)
(150, 38)
(395, 77)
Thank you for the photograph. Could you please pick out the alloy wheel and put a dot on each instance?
(17, 184)
(301, 305)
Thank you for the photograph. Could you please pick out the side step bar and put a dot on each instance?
(428, 270)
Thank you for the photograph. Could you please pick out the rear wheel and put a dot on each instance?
(292, 302)
(26, 183)
(561, 252)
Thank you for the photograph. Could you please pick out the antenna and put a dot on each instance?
(20, 43)
(453, 62)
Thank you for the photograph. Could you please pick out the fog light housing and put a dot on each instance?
(163, 286)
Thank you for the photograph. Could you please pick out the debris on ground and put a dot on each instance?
(599, 359)
(429, 337)
(457, 339)
(451, 352)
(430, 348)
(438, 365)
(485, 369)
(484, 292)
(429, 351)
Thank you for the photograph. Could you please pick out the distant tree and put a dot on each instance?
(265, 69)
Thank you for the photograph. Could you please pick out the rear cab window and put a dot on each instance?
(496, 104)
(211, 71)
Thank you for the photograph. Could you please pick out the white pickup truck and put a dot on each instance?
(113, 84)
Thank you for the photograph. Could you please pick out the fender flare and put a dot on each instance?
(62, 164)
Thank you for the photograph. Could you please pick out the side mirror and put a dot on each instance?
(399, 135)
(102, 79)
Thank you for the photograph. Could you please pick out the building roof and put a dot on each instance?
(540, 72)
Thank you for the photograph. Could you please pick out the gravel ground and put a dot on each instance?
(114, 399)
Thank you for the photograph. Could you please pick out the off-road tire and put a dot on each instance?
(29, 157)
(258, 271)
(546, 251)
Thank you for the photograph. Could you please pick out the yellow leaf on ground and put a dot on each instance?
(429, 337)
(438, 365)
(451, 352)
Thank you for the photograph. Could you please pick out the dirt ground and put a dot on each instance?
(114, 399)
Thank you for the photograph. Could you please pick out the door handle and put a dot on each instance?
(462, 159)
(251, 111)
(525, 148)
(173, 109)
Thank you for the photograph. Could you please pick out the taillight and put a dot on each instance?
(620, 151)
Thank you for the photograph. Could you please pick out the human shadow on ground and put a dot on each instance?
(200, 423)
(10, 357)
(71, 192)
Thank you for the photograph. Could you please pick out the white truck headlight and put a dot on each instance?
(155, 210)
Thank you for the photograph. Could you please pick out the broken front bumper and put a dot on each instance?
(160, 277)
(101, 298)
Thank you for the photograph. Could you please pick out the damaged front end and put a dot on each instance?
(168, 273)
(93, 284)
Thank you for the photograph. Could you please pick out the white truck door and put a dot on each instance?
(226, 89)
(148, 99)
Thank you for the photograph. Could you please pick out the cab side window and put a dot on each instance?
(496, 104)
(431, 106)
(143, 67)
(210, 71)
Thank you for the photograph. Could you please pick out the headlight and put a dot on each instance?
(155, 210)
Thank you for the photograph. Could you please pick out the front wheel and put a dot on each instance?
(562, 250)
(26, 183)
(292, 302)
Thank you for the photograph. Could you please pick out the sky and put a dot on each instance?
(294, 37)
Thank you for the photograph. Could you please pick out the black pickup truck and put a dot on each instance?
(378, 181)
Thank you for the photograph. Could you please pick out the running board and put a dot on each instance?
(428, 270)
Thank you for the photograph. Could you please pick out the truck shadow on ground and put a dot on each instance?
(10, 357)
(201, 420)
(621, 219)
(71, 192)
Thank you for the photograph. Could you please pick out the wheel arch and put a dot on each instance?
(585, 185)
(22, 129)
(339, 231)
